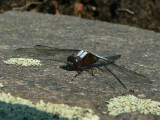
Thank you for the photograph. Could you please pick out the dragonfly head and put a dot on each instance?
(72, 61)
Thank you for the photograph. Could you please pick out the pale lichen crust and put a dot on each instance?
(23, 61)
(1, 85)
(19, 107)
(130, 103)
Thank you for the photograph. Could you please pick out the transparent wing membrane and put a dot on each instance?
(45, 52)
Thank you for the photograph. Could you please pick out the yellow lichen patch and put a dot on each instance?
(130, 103)
(1, 85)
(50, 110)
(23, 61)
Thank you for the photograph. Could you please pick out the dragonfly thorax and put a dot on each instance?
(81, 60)
(75, 62)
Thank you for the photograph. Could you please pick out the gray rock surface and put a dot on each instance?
(139, 49)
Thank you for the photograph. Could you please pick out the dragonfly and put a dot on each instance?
(81, 60)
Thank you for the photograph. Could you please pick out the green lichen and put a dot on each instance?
(1, 85)
(23, 61)
(63, 111)
(130, 103)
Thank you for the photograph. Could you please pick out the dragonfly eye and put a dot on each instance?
(71, 60)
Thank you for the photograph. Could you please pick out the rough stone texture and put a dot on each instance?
(139, 49)
(139, 13)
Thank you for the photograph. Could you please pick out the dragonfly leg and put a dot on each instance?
(97, 78)
(92, 72)
(100, 69)
(106, 82)
(78, 73)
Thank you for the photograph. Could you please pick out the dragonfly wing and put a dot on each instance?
(108, 59)
(113, 58)
(121, 71)
(127, 78)
(46, 52)
(133, 76)
(131, 80)
(26, 52)
(52, 50)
